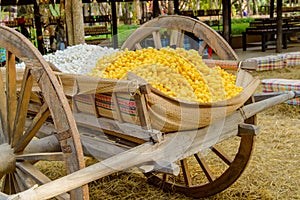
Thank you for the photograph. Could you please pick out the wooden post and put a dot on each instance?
(155, 8)
(74, 22)
(176, 7)
(271, 11)
(114, 24)
(226, 20)
(38, 25)
(279, 27)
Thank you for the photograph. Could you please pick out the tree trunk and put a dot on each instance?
(74, 22)
(255, 9)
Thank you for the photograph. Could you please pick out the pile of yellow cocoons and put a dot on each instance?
(178, 73)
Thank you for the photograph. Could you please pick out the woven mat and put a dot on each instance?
(275, 85)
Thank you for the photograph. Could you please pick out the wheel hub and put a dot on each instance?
(7, 159)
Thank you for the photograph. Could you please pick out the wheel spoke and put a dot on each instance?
(165, 177)
(138, 46)
(156, 39)
(33, 128)
(202, 48)
(38, 176)
(14, 183)
(56, 156)
(7, 187)
(3, 112)
(208, 173)
(180, 38)
(33, 172)
(221, 154)
(11, 92)
(26, 181)
(19, 182)
(186, 173)
(22, 108)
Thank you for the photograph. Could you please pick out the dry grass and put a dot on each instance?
(273, 171)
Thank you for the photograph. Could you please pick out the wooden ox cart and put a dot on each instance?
(51, 116)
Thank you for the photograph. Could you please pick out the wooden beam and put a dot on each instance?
(279, 27)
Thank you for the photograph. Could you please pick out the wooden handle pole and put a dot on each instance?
(257, 107)
(125, 160)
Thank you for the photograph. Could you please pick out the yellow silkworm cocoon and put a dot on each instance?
(176, 72)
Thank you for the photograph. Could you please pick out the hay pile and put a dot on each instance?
(273, 171)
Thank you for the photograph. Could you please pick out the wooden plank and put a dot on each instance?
(33, 128)
(117, 114)
(100, 148)
(143, 114)
(22, 108)
(79, 84)
(11, 92)
(126, 129)
(94, 106)
(3, 196)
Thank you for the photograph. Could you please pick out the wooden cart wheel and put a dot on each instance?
(19, 145)
(210, 172)
(174, 30)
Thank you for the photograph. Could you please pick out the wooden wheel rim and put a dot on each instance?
(14, 108)
(184, 24)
